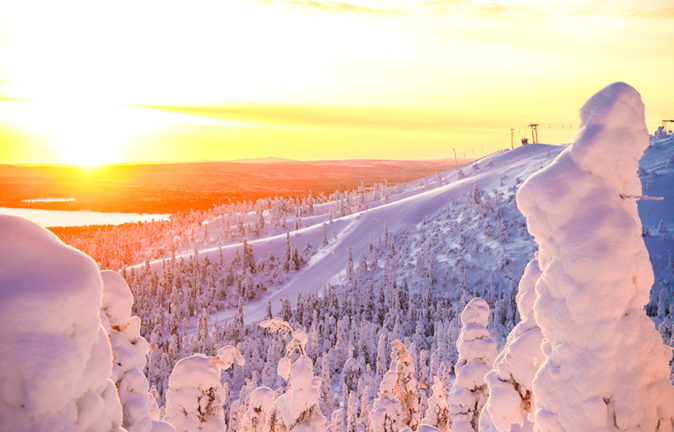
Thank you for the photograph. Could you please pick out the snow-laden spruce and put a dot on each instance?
(406, 388)
(297, 409)
(606, 368)
(386, 414)
(255, 417)
(437, 413)
(129, 350)
(55, 357)
(510, 404)
(477, 351)
(195, 396)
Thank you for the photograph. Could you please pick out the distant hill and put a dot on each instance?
(264, 160)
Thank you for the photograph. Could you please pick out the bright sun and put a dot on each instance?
(81, 132)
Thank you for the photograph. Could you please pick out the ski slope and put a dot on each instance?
(501, 172)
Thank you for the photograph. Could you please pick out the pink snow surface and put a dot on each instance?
(606, 368)
(55, 357)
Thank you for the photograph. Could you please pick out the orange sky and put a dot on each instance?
(165, 80)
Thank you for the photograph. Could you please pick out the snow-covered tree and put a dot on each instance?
(382, 356)
(349, 264)
(298, 408)
(327, 397)
(477, 351)
(386, 414)
(337, 422)
(510, 406)
(129, 350)
(55, 356)
(352, 423)
(606, 367)
(406, 385)
(437, 413)
(255, 417)
(194, 401)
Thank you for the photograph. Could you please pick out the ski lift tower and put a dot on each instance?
(534, 132)
(665, 123)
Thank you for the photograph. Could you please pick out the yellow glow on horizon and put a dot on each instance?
(83, 132)
(313, 79)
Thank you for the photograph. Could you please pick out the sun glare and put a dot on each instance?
(77, 82)
(85, 133)
(82, 134)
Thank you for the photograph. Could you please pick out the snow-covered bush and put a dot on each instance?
(129, 350)
(476, 356)
(194, 401)
(606, 367)
(386, 414)
(298, 408)
(437, 413)
(511, 400)
(55, 357)
(255, 417)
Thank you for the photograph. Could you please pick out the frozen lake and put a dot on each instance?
(48, 200)
(48, 218)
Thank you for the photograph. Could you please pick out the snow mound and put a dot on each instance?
(55, 358)
(606, 366)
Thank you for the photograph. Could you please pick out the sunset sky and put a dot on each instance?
(96, 82)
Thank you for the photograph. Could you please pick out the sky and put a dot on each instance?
(95, 82)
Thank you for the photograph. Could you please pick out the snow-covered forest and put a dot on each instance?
(530, 290)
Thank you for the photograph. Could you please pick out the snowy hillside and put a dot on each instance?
(368, 304)
(657, 178)
(438, 241)
(415, 205)
(448, 210)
